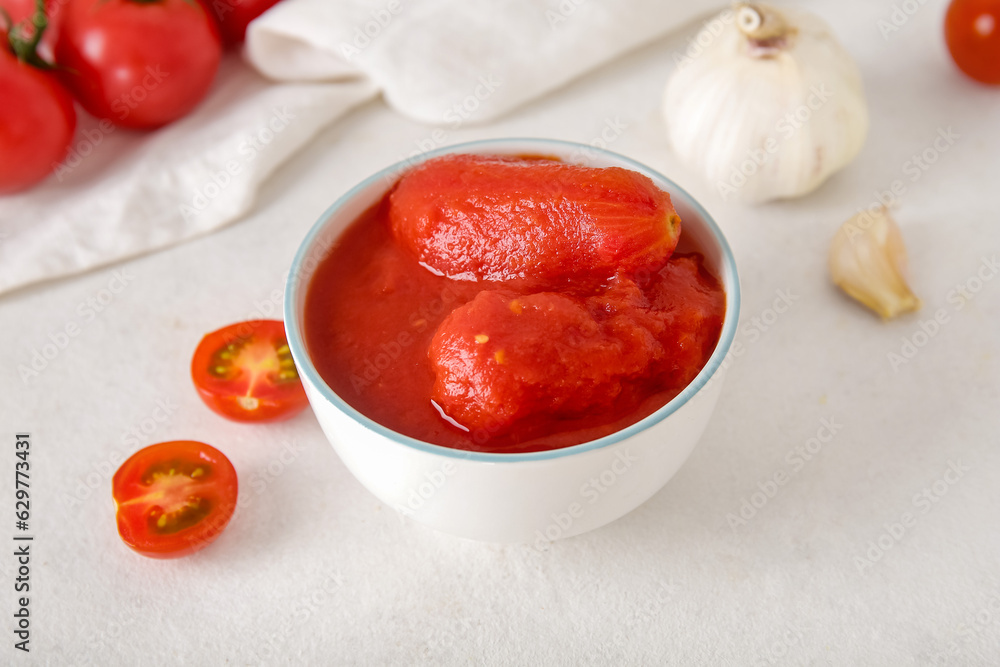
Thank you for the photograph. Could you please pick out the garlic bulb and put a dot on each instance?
(868, 260)
(770, 107)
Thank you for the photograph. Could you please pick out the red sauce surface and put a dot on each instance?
(517, 350)
(372, 312)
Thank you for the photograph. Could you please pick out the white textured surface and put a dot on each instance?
(671, 583)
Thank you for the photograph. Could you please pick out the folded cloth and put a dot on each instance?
(120, 193)
(451, 61)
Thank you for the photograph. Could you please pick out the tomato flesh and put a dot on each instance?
(503, 358)
(174, 498)
(972, 32)
(245, 372)
(374, 325)
(553, 224)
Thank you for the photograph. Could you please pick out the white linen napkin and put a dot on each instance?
(122, 193)
(451, 61)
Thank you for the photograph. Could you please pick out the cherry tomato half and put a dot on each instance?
(37, 121)
(174, 498)
(233, 16)
(139, 63)
(972, 31)
(245, 372)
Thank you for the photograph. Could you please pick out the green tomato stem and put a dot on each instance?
(25, 48)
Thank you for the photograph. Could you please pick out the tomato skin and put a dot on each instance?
(141, 65)
(18, 10)
(261, 385)
(233, 17)
(23, 10)
(139, 497)
(37, 121)
(972, 32)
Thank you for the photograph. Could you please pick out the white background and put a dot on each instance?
(314, 570)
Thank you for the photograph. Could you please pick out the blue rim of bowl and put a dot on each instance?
(307, 369)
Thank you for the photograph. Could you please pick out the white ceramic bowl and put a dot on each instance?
(535, 497)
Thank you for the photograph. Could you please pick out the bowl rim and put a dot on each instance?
(295, 284)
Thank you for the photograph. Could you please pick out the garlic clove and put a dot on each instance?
(868, 261)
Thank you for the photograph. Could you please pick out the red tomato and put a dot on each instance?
(24, 10)
(233, 16)
(245, 372)
(36, 126)
(174, 498)
(139, 64)
(18, 10)
(972, 31)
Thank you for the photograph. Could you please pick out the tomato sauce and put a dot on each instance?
(372, 311)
